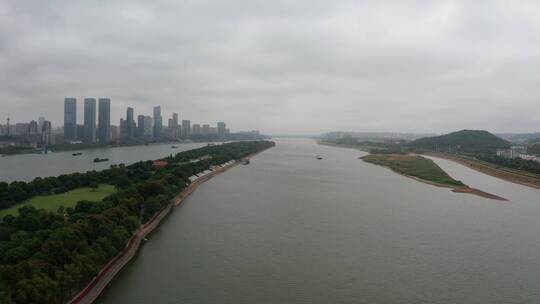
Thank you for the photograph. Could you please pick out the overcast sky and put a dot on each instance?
(281, 66)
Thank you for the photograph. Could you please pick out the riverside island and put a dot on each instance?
(424, 170)
(69, 255)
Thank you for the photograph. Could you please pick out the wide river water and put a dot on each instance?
(26, 167)
(289, 228)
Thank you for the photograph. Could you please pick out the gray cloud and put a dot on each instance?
(280, 66)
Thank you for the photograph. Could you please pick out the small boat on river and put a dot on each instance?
(99, 160)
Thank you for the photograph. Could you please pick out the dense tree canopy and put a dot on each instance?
(47, 257)
(464, 141)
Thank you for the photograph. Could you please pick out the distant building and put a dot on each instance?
(130, 129)
(514, 152)
(158, 123)
(175, 134)
(47, 137)
(123, 128)
(529, 157)
(89, 120)
(33, 128)
(205, 129)
(170, 129)
(41, 120)
(104, 120)
(160, 163)
(186, 128)
(196, 129)
(221, 129)
(139, 133)
(70, 118)
(80, 133)
(115, 133)
(148, 128)
(21, 128)
(213, 130)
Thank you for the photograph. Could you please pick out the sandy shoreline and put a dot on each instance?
(504, 175)
(93, 289)
(462, 189)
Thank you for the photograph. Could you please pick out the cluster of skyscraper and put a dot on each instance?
(90, 132)
(33, 133)
(145, 128)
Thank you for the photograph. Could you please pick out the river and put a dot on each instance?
(25, 167)
(289, 228)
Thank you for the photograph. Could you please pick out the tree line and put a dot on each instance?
(530, 166)
(47, 257)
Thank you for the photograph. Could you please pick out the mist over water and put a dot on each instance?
(289, 228)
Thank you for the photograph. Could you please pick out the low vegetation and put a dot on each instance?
(63, 200)
(48, 256)
(530, 166)
(414, 165)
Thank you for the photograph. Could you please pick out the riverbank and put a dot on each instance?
(356, 147)
(489, 169)
(92, 291)
(424, 170)
(10, 151)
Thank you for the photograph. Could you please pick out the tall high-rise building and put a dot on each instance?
(130, 124)
(147, 127)
(32, 128)
(170, 129)
(140, 127)
(70, 118)
(221, 129)
(89, 120)
(196, 129)
(158, 123)
(46, 133)
(122, 127)
(41, 120)
(175, 134)
(186, 128)
(104, 120)
(8, 127)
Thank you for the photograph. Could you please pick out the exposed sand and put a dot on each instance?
(505, 175)
(458, 189)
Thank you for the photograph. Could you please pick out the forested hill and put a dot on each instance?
(466, 141)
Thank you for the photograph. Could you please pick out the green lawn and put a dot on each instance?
(67, 199)
(413, 165)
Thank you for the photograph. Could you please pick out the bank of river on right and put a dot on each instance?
(290, 228)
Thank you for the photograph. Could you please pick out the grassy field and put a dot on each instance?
(414, 165)
(67, 199)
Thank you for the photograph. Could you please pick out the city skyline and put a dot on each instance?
(310, 66)
(96, 127)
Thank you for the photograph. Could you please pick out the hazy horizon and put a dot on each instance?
(302, 67)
